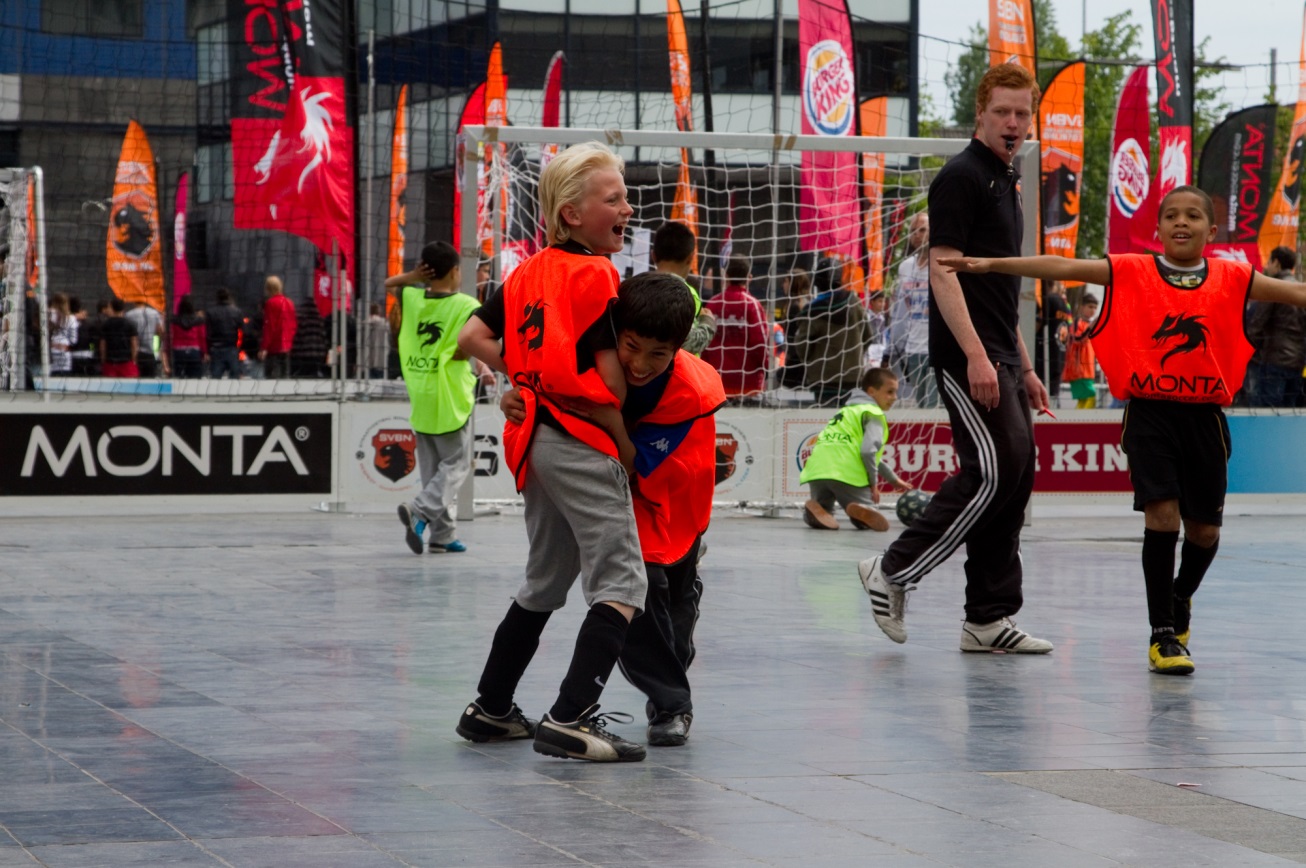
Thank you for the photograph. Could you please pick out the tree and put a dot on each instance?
(963, 79)
(1119, 38)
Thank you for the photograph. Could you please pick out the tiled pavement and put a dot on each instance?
(281, 690)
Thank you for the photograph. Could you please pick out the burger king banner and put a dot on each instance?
(133, 255)
(1130, 175)
(827, 210)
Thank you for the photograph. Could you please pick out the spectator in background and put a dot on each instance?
(308, 351)
(63, 335)
(224, 321)
(148, 323)
(738, 350)
(877, 306)
(374, 343)
(119, 343)
(1081, 362)
(278, 330)
(82, 352)
(189, 340)
(909, 316)
(1278, 331)
(674, 248)
(1051, 336)
(797, 288)
(827, 342)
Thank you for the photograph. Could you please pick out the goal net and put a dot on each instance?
(23, 343)
(829, 299)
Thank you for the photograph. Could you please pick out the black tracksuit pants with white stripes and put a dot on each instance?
(982, 505)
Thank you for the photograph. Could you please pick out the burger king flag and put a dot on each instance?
(133, 254)
(828, 214)
(1129, 177)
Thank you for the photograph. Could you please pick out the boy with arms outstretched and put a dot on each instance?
(671, 398)
(549, 329)
(1170, 339)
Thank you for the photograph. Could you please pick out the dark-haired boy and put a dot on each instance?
(428, 313)
(671, 397)
(674, 247)
(845, 463)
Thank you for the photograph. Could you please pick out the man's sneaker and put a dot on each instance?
(478, 725)
(672, 731)
(587, 738)
(1167, 656)
(817, 518)
(453, 545)
(866, 517)
(1001, 637)
(888, 601)
(1183, 616)
(414, 527)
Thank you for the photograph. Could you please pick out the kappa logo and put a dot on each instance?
(1190, 331)
(532, 327)
(662, 445)
(429, 332)
(394, 452)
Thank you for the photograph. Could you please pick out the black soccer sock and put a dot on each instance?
(598, 645)
(514, 645)
(1194, 561)
(1158, 574)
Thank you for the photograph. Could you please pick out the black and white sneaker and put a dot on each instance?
(1001, 637)
(587, 738)
(478, 725)
(888, 601)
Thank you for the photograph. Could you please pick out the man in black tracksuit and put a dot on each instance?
(987, 383)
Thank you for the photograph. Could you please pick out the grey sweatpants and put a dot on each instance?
(579, 520)
(443, 460)
(827, 491)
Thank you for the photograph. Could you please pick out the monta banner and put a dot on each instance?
(1062, 159)
(1172, 29)
(1235, 173)
(828, 213)
(133, 256)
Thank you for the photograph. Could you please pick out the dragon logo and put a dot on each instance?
(1189, 329)
(532, 327)
(1060, 192)
(133, 230)
(263, 168)
(1292, 174)
(429, 332)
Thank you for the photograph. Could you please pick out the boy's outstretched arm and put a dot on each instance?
(477, 341)
(1095, 271)
(1266, 288)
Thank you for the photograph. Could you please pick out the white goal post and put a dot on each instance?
(748, 192)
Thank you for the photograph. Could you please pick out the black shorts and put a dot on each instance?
(1180, 452)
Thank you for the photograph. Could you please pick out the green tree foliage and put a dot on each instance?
(963, 79)
(1118, 38)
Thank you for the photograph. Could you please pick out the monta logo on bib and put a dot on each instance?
(829, 89)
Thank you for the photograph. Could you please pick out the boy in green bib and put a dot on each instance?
(845, 461)
(428, 313)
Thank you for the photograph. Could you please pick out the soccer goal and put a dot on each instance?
(813, 211)
(22, 246)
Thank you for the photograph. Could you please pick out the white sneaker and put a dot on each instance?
(1001, 637)
(888, 601)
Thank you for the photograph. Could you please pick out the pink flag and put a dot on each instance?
(1130, 174)
(180, 270)
(828, 215)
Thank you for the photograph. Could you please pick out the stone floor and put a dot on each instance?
(281, 690)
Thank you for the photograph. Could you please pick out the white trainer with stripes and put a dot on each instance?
(1001, 637)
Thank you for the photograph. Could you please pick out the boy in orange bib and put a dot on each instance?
(1170, 340)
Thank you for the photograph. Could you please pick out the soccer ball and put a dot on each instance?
(911, 506)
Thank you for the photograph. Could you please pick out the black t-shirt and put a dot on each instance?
(117, 333)
(975, 207)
